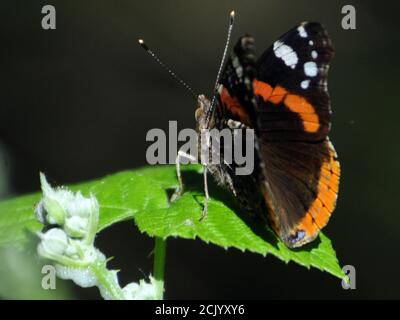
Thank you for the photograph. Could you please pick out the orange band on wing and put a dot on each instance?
(273, 95)
(328, 185)
(234, 106)
(305, 110)
(262, 89)
(294, 103)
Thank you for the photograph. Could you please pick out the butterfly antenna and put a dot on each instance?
(228, 39)
(165, 67)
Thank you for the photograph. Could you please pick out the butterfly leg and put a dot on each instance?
(206, 195)
(181, 155)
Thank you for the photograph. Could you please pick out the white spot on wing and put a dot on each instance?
(234, 124)
(311, 43)
(314, 54)
(302, 32)
(285, 53)
(305, 83)
(238, 67)
(310, 69)
(239, 72)
(235, 62)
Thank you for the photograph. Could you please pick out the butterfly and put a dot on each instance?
(282, 96)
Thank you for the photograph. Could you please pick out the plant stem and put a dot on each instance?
(159, 266)
(107, 282)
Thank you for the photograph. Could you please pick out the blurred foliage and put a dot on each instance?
(21, 277)
(4, 172)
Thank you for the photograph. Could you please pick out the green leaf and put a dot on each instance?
(143, 194)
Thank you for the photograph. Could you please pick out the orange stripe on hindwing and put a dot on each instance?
(321, 208)
(294, 103)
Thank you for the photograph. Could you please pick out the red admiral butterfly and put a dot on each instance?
(283, 96)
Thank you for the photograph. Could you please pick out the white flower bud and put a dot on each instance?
(141, 290)
(76, 226)
(80, 206)
(78, 215)
(54, 242)
(72, 252)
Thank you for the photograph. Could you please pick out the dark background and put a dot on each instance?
(76, 103)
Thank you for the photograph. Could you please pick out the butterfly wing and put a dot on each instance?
(292, 85)
(284, 97)
(300, 165)
(235, 109)
(235, 92)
